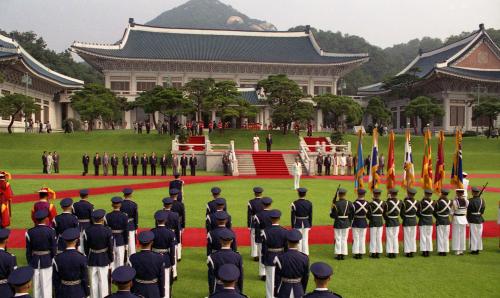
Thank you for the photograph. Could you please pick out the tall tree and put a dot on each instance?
(283, 95)
(166, 101)
(15, 106)
(224, 99)
(95, 102)
(342, 110)
(424, 108)
(378, 111)
(403, 85)
(488, 107)
(198, 91)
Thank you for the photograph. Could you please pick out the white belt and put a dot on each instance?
(161, 250)
(41, 252)
(84, 220)
(147, 282)
(130, 219)
(291, 280)
(117, 231)
(359, 216)
(476, 213)
(302, 217)
(393, 216)
(410, 215)
(3, 281)
(70, 282)
(275, 249)
(426, 214)
(98, 251)
(342, 217)
(443, 215)
(376, 214)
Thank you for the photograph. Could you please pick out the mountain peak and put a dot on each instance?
(209, 14)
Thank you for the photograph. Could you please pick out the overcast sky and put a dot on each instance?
(381, 22)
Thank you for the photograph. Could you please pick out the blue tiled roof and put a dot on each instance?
(427, 64)
(203, 45)
(477, 74)
(34, 65)
(250, 96)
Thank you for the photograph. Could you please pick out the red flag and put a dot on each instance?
(440, 173)
(426, 174)
(391, 168)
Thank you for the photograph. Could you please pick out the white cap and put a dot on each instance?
(465, 174)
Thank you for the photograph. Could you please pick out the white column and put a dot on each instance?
(334, 86)
(107, 81)
(311, 87)
(213, 115)
(319, 120)
(133, 84)
(446, 118)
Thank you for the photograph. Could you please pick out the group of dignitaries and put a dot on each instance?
(135, 163)
(79, 252)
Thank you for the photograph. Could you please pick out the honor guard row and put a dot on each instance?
(361, 215)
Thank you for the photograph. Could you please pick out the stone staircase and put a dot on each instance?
(245, 164)
(290, 160)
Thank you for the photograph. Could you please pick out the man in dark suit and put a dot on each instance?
(163, 165)
(184, 164)
(114, 164)
(97, 164)
(44, 162)
(55, 158)
(269, 142)
(85, 162)
(135, 163)
(125, 162)
(144, 164)
(328, 163)
(319, 163)
(193, 161)
(153, 160)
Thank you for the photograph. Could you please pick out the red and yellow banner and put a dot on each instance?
(440, 172)
(391, 167)
(426, 175)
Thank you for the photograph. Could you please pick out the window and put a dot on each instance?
(320, 90)
(46, 114)
(394, 118)
(438, 121)
(177, 85)
(305, 90)
(457, 115)
(38, 115)
(120, 86)
(145, 86)
(402, 118)
(481, 121)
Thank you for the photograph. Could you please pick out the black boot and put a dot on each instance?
(338, 257)
(342, 257)
(373, 256)
(377, 255)
(360, 256)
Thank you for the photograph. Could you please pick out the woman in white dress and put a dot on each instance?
(50, 162)
(297, 172)
(256, 140)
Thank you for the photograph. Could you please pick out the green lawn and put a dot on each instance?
(452, 276)
(237, 193)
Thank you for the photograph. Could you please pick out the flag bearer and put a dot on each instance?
(425, 212)
(459, 222)
(442, 213)
(391, 216)
(375, 215)
(475, 218)
(359, 225)
(409, 216)
(342, 212)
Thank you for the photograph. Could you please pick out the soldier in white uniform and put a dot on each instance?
(409, 216)
(475, 218)
(375, 213)
(459, 212)
(391, 217)
(442, 214)
(465, 183)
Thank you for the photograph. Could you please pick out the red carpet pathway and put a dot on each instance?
(269, 164)
(196, 237)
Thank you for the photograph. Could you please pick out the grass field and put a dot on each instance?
(467, 276)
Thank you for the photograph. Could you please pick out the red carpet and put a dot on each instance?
(269, 164)
(196, 237)
(118, 188)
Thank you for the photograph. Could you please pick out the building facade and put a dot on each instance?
(23, 74)
(456, 75)
(147, 56)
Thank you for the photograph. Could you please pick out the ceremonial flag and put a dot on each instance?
(374, 178)
(391, 168)
(440, 174)
(457, 176)
(409, 172)
(360, 167)
(426, 174)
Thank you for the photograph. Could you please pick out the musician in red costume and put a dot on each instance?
(45, 194)
(5, 199)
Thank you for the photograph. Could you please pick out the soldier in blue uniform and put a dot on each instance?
(7, 264)
(177, 183)
(210, 222)
(391, 216)
(375, 215)
(229, 275)
(164, 243)
(41, 248)
(83, 210)
(342, 212)
(98, 244)
(475, 212)
(213, 239)
(254, 207)
(122, 277)
(178, 207)
(64, 221)
(223, 256)
(302, 211)
(149, 267)
(262, 221)
(409, 215)
(274, 243)
(20, 280)
(292, 269)
(70, 275)
(118, 222)
(424, 213)
(212, 205)
(359, 225)
(442, 214)
(322, 273)
(173, 223)
(131, 209)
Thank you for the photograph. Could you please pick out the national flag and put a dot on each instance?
(374, 177)
(440, 173)
(408, 169)
(457, 176)
(360, 167)
(391, 168)
(426, 174)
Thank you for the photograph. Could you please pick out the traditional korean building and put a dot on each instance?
(457, 75)
(147, 56)
(23, 74)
